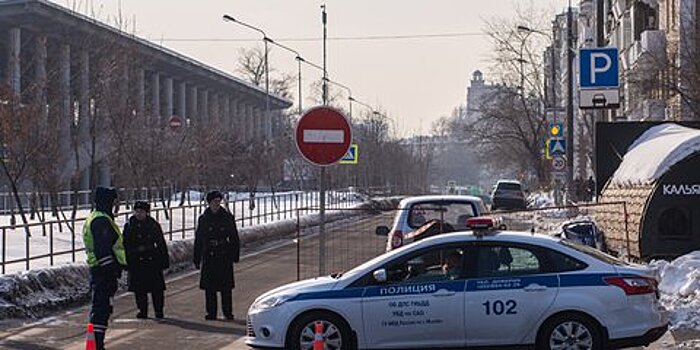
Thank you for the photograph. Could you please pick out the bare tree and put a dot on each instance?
(511, 124)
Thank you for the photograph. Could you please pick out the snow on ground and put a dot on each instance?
(540, 200)
(680, 290)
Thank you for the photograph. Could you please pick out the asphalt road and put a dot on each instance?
(184, 326)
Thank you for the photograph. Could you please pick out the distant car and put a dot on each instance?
(468, 289)
(508, 194)
(414, 212)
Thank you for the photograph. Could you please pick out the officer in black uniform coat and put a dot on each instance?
(147, 257)
(216, 248)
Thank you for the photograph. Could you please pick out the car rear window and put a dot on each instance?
(509, 187)
(453, 213)
(592, 252)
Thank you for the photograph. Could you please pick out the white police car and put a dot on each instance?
(463, 289)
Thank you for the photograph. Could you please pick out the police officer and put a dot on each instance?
(216, 248)
(147, 257)
(105, 257)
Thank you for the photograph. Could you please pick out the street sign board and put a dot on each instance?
(557, 146)
(556, 129)
(558, 163)
(599, 68)
(599, 78)
(323, 135)
(602, 98)
(351, 157)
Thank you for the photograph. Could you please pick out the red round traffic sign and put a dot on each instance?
(175, 122)
(323, 135)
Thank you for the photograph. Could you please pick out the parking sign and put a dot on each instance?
(599, 68)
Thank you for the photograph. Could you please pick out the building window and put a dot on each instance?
(674, 222)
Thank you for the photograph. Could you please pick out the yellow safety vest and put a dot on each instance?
(117, 248)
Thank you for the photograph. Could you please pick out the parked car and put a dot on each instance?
(584, 232)
(414, 212)
(508, 194)
(468, 289)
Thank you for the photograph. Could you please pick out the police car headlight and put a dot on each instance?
(270, 302)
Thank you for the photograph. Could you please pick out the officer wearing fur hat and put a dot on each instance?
(216, 248)
(147, 257)
(105, 257)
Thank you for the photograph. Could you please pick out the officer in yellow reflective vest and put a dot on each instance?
(105, 257)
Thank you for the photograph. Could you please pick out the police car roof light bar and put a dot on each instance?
(483, 224)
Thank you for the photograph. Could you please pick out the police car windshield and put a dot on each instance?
(592, 252)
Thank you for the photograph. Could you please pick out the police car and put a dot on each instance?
(480, 288)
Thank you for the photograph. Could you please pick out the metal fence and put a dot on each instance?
(351, 239)
(43, 201)
(57, 241)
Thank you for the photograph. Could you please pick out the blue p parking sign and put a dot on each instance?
(599, 68)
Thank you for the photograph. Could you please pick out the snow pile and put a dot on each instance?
(680, 290)
(655, 152)
(541, 200)
(36, 293)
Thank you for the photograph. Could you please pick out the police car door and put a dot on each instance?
(510, 292)
(420, 304)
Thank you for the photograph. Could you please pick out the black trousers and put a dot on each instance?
(226, 302)
(103, 285)
(157, 297)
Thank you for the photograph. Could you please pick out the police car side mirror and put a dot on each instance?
(379, 275)
(381, 231)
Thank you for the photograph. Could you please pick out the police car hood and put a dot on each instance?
(314, 284)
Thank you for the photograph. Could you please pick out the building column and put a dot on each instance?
(257, 123)
(66, 117)
(140, 92)
(182, 109)
(84, 111)
(155, 97)
(193, 112)
(226, 114)
(168, 99)
(40, 79)
(267, 125)
(214, 109)
(14, 73)
(249, 123)
(206, 116)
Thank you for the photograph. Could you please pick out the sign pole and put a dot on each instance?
(322, 180)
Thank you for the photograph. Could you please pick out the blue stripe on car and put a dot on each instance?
(471, 285)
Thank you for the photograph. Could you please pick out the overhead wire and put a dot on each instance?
(339, 38)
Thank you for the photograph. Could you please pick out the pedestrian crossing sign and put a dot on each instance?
(556, 147)
(351, 157)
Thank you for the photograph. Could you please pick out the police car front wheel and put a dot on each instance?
(309, 329)
(570, 331)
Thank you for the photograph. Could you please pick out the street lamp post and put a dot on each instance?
(267, 68)
(299, 61)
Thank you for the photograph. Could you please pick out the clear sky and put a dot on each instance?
(416, 81)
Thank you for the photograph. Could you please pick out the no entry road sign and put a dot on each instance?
(323, 135)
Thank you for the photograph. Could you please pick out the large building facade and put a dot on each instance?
(79, 69)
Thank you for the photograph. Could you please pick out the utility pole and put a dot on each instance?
(322, 189)
(569, 103)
